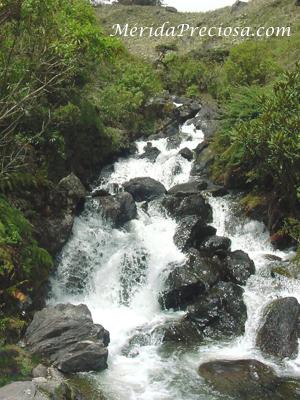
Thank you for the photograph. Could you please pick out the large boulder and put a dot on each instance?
(55, 211)
(118, 209)
(189, 280)
(221, 313)
(66, 336)
(144, 188)
(239, 267)
(73, 187)
(278, 334)
(187, 204)
(150, 153)
(241, 379)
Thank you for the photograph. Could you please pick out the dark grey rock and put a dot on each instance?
(100, 193)
(187, 205)
(239, 266)
(201, 146)
(144, 188)
(188, 188)
(187, 111)
(187, 281)
(151, 153)
(190, 231)
(118, 209)
(66, 336)
(214, 244)
(278, 335)
(186, 153)
(241, 379)
(221, 313)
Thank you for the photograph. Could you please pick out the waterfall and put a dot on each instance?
(118, 273)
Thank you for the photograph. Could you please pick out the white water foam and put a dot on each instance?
(93, 262)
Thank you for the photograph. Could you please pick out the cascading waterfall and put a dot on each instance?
(118, 274)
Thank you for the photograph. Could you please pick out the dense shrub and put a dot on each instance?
(250, 63)
(24, 267)
(266, 149)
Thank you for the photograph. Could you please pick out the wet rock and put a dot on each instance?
(187, 189)
(183, 206)
(216, 190)
(239, 266)
(182, 331)
(173, 142)
(100, 193)
(242, 379)
(207, 121)
(278, 335)
(214, 245)
(118, 209)
(201, 146)
(66, 336)
(203, 163)
(187, 281)
(186, 111)
(151, 153)
(190, 230)
(144, 188)
(221, 313)
(186, 153)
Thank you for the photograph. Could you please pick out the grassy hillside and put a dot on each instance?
(257, 13)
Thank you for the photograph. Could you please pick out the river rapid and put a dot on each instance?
(117, 273)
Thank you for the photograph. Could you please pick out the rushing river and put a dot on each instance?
(117, 273)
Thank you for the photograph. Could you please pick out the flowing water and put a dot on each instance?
(118, 274)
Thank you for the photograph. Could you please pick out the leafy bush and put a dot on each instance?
(24, 266)
(266, 149)
(250, 63)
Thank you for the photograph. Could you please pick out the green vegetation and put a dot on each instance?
(71, 97)
(15, 365)
(24, 268)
